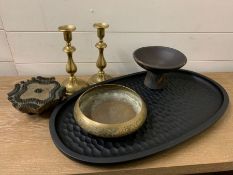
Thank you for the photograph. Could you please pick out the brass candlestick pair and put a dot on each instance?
(72, 83)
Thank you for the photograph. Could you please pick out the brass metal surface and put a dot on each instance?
(72, 83)
(101, 62)
(110, 110)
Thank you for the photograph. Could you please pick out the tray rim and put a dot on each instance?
(154, 150)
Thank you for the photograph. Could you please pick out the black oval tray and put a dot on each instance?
(188, 105)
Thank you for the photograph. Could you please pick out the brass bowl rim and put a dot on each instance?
(100, 25)
(116, 85)
(67, 28)
(104, 126)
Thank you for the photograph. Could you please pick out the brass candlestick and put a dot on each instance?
(101, 63)
(72, 83)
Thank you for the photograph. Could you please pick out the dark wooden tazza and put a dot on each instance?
(158, 60)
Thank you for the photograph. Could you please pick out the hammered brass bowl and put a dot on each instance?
(110, 110)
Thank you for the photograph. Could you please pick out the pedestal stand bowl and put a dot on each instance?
(158, 61)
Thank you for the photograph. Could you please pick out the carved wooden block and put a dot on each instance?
(36, 95)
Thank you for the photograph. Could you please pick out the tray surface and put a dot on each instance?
(188, 105)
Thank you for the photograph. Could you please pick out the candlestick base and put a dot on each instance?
(99, 77)
(73, 84)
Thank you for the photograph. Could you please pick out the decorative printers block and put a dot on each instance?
(36, 95)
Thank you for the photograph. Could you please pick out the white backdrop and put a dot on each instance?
(31, 45)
